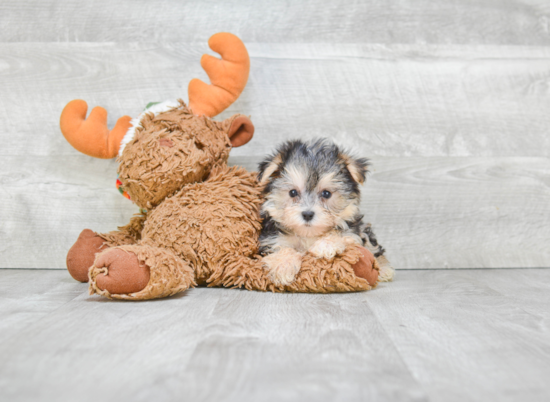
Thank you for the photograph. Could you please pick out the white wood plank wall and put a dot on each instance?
(450, 99)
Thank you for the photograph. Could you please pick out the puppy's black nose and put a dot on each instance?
(308, 215)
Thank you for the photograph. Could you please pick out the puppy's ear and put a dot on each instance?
(357, 167)
(269, 168)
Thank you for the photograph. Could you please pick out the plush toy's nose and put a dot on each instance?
(308, 215)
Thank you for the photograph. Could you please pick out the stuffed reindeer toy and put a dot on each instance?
(199, 222)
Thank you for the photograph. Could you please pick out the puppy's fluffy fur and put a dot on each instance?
(312, 205)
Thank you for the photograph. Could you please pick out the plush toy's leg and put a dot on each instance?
(139, 272)
(367, 267)
(122, 271)
(82, 254)
(342, 274)
(355, 270)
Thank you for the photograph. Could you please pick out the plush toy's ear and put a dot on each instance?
(357, 168)
(269, 168)
(240, 131)
(238, 128)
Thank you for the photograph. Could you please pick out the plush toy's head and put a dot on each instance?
(169, 144)
(171, 147)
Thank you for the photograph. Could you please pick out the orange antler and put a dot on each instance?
(91, 136)
(228, 76)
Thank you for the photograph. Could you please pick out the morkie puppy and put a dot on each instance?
(312, 205)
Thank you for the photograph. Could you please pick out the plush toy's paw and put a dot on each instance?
(367, 267)
(123, 272)
(329, 247)
(283, 266)
(81, 255)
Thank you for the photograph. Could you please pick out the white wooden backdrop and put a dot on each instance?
(450, 99)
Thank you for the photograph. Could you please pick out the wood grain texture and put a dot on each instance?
(427, 212)
(297, 348)
(525, 289)
(467, 336)
(207, 345)
(48, 200)
(28, 296)
(402, 100)
(517, 22)
(475, 335)
(449, 98)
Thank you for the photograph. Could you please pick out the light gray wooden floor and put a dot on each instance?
(432, 335)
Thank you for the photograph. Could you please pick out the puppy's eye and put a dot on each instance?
(293, 193)
(326, 194)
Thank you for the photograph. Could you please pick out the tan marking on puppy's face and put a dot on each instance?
(295, 178)
(356, 168)
(340, 206)
(270, 169)
(288, 208)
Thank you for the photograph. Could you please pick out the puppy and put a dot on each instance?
(312, 205)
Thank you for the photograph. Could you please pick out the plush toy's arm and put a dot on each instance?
(355, 270)
(127, 234)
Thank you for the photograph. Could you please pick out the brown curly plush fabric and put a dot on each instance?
(315, 276)
(152, 171)
(217, 222)
(127, 234)
(321, 276)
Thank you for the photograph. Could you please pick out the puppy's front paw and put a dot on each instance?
(283, 266)
(328, 247)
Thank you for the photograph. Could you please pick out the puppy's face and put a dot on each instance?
(312, 188)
